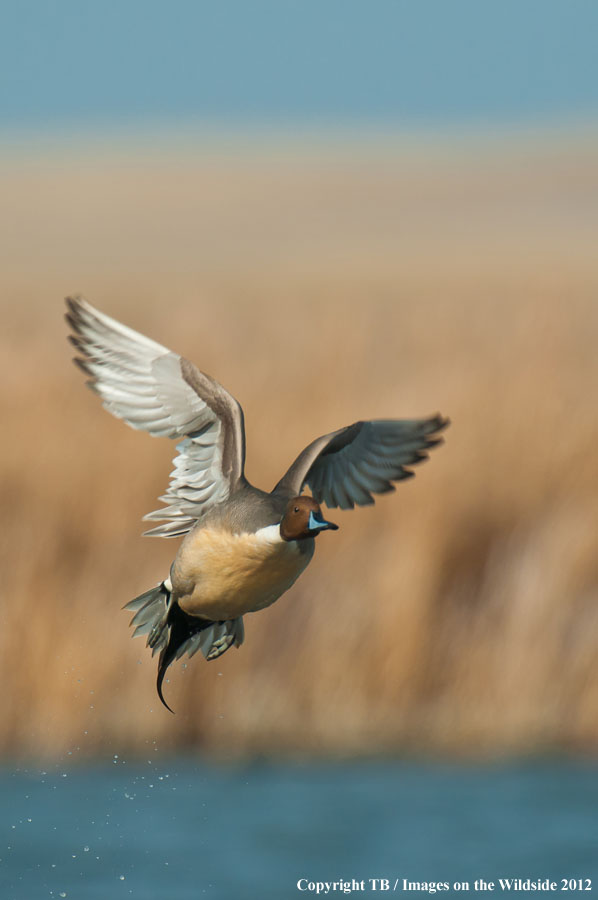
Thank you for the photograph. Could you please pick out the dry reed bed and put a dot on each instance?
(459, 615)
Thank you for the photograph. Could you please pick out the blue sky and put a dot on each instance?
(315, 62)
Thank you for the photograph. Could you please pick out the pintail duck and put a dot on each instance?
(243, 547)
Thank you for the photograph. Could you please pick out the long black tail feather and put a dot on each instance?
(180, 628)
(172, 632)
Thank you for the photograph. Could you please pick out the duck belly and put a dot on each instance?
(221, 576)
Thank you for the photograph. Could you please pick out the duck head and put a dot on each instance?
(303, 519)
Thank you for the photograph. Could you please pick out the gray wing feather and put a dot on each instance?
(155, 390)
(344, 468)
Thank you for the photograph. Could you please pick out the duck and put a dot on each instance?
(242, 548)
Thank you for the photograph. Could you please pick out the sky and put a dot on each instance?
(86, 63)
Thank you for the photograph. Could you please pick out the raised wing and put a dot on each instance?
(158, 391)
(344, 468)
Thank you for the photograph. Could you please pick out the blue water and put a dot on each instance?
(182, 830)
(391, 61)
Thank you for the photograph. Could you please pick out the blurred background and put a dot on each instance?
(341, 211)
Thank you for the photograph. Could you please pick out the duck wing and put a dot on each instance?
(344, 468)
(155, 390)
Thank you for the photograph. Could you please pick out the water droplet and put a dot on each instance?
(62, 894)
(121, 877)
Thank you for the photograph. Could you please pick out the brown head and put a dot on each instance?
(303, 519)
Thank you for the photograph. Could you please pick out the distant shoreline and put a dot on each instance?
(184, 136)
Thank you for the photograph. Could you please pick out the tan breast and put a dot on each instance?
(221, 575)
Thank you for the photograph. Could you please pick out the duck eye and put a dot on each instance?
(296, 509)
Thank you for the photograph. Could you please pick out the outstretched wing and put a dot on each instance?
(158, 391)
(346, 467)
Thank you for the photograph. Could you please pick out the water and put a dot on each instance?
(181, 830)
(312, 62)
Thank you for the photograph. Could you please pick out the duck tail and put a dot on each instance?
(189, 634)
(151, 612)
(174, 632)
(181, 629)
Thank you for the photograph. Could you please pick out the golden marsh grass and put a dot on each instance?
(458, 615)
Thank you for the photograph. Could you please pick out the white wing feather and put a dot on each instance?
(142, 382)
